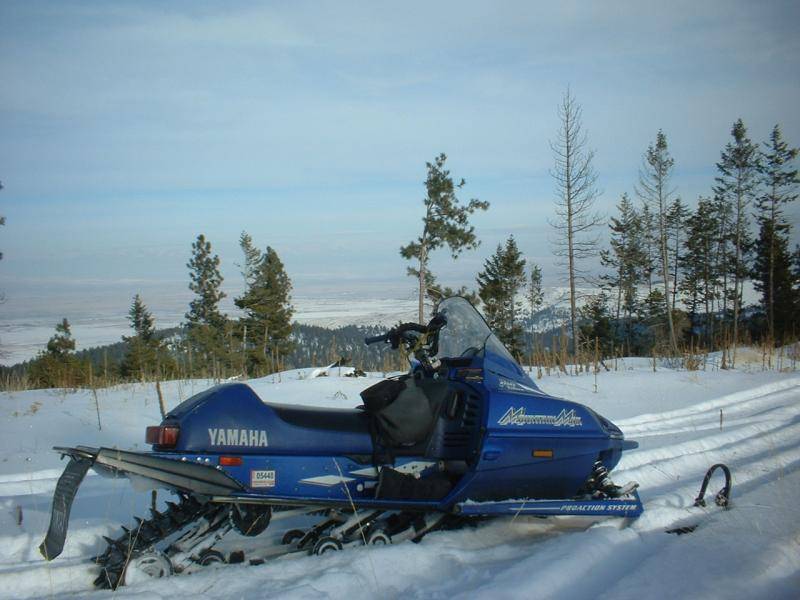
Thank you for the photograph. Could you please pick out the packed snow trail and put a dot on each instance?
(749, 551)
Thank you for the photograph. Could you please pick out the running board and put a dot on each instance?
(628, 506)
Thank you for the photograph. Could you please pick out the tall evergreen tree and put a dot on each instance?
(737, 184)
(576, 190)
(676, 226)
(649, 239)
(141, 355)
(206, 324)
(446, 223)
(535, 292)
(252, 259)
(598, 329)
(498, 286)
(772, 270)
(699, 265)
(724, 254)
(534, 295)
(141, 319)
(654, 189)
(268, 313)
(206, 283)
(626, 258)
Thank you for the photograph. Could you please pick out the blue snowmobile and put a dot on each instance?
(465, 434)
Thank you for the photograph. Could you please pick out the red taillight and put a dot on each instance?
(162, 436)
(230, 461)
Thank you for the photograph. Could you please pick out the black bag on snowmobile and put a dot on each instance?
(404, 410)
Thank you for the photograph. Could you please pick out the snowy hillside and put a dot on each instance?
(750, 551)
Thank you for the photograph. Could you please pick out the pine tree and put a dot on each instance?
(676, 226)
(772, 270)
(252, 259)
(498, 286)
(62, 343)
(575, 183)
(535, 298)
(654, 189)
(535, 293)
(647, 229)
(58, 366)
(142, 352)
(626, 260)
(699, 286)
(737, 185)
(774, 279)
(724, 254)
(597, 328)
(141, 319)
(206, 282)
(446, 223)
(470, 295)
(206, 324)
(268, 313)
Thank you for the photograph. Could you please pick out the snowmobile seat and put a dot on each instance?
(347, 420)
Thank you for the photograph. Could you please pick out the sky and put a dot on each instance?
(127, 128)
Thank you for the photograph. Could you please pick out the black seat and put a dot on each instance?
(343, 420)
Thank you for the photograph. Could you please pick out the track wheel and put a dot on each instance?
(379, 537)
(250, 519)
(292, 536)
(211, 557)
(326, 544)
(149, 565)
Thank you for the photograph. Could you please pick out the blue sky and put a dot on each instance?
(129, 128)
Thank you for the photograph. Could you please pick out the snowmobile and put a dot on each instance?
(464, 435)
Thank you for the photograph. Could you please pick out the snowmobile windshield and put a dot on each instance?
(466, 333)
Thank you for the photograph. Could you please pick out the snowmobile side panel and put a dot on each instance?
(231, 418)
(629, 506)
(66, 488)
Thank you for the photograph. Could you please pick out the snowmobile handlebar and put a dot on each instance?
(384, 337)
(397, 334)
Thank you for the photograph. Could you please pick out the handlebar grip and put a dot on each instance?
(376, 338)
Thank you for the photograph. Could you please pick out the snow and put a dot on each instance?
(749, 551)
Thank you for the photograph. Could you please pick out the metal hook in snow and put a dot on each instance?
(723, 496)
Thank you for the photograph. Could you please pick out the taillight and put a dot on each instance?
(162, 436)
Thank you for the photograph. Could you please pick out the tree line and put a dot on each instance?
(671, 277)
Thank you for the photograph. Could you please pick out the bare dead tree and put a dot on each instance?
(576, 192)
